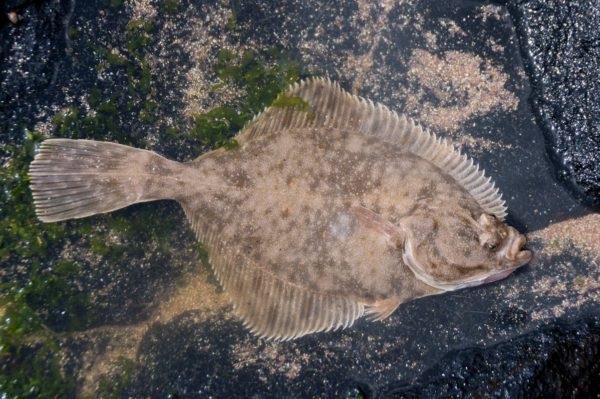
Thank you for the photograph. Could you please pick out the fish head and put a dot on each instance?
(457, 250)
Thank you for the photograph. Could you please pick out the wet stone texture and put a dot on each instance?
(561, 43)
(456, 67)
(30, 64)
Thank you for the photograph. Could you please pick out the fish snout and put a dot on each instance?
(514, 252)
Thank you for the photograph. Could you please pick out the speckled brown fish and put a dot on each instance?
(317, 219)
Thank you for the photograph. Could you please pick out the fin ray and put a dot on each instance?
(331, 106)
(79, 178)
(270, 306)
(381, 310)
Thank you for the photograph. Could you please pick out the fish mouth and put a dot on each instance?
(512, 252)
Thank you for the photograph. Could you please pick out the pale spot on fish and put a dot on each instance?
(342, 226)
(355, 144)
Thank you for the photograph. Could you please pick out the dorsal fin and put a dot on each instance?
(331, 106)
(268, 305)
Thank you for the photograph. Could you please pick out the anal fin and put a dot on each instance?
(268, 305)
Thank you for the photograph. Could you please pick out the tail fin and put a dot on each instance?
(79, 178)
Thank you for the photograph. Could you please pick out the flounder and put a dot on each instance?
(318, 218)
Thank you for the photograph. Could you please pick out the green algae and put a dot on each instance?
(22, 236)
(262, 76)
(114, 387)
(294, 102)
(143, 226)
(169, 6)
(29, 367)
(30, 364)
(203, 254)
(105, 121)
(233, 18)
(172, 131)
(215, 128)
(115, 59)
(138, 36)
(55, 297)
(72, 32)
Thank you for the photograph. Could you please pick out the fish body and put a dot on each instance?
(318, 218)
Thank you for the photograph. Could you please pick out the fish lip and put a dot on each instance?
(523, 257)
(513, 252)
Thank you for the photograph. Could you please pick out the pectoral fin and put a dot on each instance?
(369, 219)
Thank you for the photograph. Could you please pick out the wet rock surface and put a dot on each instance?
(454, 67)
(561, 43)
(32, 53)
(543, 363)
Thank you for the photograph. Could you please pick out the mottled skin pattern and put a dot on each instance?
(285, 201)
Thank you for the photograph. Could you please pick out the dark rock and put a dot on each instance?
(31, 55)
(561, 44)
(555, 361)
(195, 354)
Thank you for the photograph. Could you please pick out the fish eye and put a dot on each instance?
(492, 246)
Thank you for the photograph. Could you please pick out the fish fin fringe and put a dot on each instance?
(79, 178)
(328, 105)
(269, 306)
